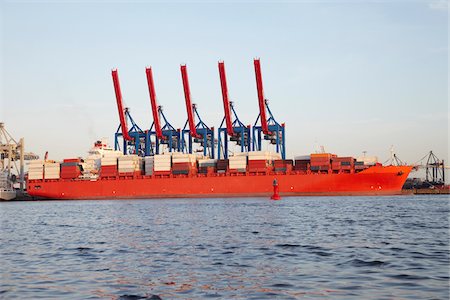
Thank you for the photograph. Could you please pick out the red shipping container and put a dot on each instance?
(335, 165)
(257, 163)
(161, 173)
(69, 160)
(340, 159)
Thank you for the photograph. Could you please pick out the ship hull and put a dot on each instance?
(6, 195)
(376, 180)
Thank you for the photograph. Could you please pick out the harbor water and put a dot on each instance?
(247, 248)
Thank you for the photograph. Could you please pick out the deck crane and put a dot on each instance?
(270, 128)
(134, 137)
(235, 130)
(167, 134)
(198, 133)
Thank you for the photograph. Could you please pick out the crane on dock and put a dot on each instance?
(199, 133)
(269, 130)
(234, 130)
(134, 139)
(165, 135)
(12, 151)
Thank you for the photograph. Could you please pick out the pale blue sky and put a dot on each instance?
(348, 75)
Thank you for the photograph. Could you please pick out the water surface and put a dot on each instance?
(250, 248)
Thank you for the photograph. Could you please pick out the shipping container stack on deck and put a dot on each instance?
(149, 163)
(302, 163)
(283, 165)
(108, 167)
(261, 161)
(364, 162)
(162, 164)
(321, 162)
(130, 165)
(342, 164)
(184, 164)
(36, 170)
(222, 166)
(237, 163)
(71, 168)
(207, 166)
(51, 170)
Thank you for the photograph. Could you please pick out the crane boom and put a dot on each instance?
(155, 112)
(261, 100)
(187, 96)
(226, 101)
(118, 92)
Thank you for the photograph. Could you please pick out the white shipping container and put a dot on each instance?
(108, 162)
(158, 163)
(35, 173)
(238, 158)
(158, 168)
(236, 163)
(258, 153)
(302, 157)
(129, 157)
(262, 157)
(35, 176)
(368, 160)
(36, 168)
(51, 176)
(36, 162)
(163, 160)
(237, 166)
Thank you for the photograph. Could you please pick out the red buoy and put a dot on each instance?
(276, 195)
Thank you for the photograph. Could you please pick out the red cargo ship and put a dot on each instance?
(109, 174)
(321, 174)
(375, 180)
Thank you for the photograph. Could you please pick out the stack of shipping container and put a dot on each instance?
(237, 164)
(149, 163)
(117, 164)
(261, 161)
(185, 164)
(321, 161)
(302, 163)
(51, 170)
(71, 168)
(108, 166)
(207, 166)
(283, 165)
(342, 164)
(364, 162)
(222, 166)
(162, 164)
(36, 170)
(130, 165)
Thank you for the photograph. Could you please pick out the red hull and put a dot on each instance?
(376, 180)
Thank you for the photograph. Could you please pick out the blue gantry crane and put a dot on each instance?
(134, 139)
(234, 130)
(198, 133)
(270, 130)
(165, 135)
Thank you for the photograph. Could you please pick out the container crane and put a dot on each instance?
(12, 151)
(235, 130)
(270, 129)
(134, 137)
(167, 134)
(198, 133)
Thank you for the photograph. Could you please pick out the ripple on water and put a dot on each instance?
(305, 247)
